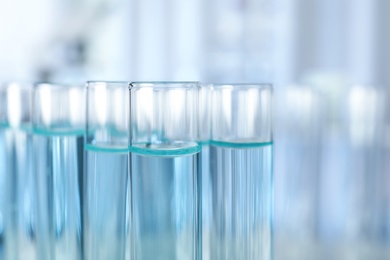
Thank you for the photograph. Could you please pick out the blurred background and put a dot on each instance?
(328, 60)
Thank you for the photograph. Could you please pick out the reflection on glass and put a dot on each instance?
(238, 186)
(58, 123)
(164, 158)
(17, 191)
(106, 181)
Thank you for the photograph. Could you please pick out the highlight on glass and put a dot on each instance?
(164, 159)
(17, 191)
(238, 200)
(58, 123)
(106, 180)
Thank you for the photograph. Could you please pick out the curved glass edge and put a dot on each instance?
(55, 85)
(106, 148)
(107, 82)
(165, 151)
(203, 143)
(90, 131)
(240, 145)
(22, 127)
(242, 85)
(112, 84)
(20, 84)
(58, 131)
(165, 84)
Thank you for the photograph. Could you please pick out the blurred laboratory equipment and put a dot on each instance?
(298, 126)
(106, 219)
(58, 122)
(165, 170)
(238, 190)
(17, 186)
(331, 194)
(237, 41)
(353, 191)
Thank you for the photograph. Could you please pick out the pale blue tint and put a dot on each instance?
(106, 205)
(2, 190)
(237, 201)
(58, 172)
(165, 202)
(18, 195)
(106, 180)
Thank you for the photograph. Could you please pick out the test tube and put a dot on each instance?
(205, 187)
(3, 159)
(164, 159)
(106, 193)
(17, 194)
(241, 195)
(58, 125)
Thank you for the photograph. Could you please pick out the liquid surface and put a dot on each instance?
(237, 201)
(58, 171)
(165, 204)
(107, 206)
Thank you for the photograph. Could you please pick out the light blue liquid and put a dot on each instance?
(106, 208)
(237, 201)
(17, 195)
(2, 189)
(58, 170)
(165, 202)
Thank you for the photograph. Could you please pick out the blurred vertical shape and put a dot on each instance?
(58, 126)
(106, 207)
(152, 39)
(385, 170)
(382, 43)
(223, 39)
(354, 198)
(108, 31)
(205, 187)
(298, 127)
(16, 172)
(258, 41)
(238, 40)
(310, 39)
(185, 42)
(362, 37)
(19, 45)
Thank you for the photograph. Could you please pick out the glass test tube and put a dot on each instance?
(106, 194)
(164, 158)
(17, 200)
(58, 118)
(3, 170)
(241, 180)
(205, 187)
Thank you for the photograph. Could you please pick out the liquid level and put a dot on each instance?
(107, 208)
(17, 196)
(237, 202)
(165, 204)
(59, 166)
